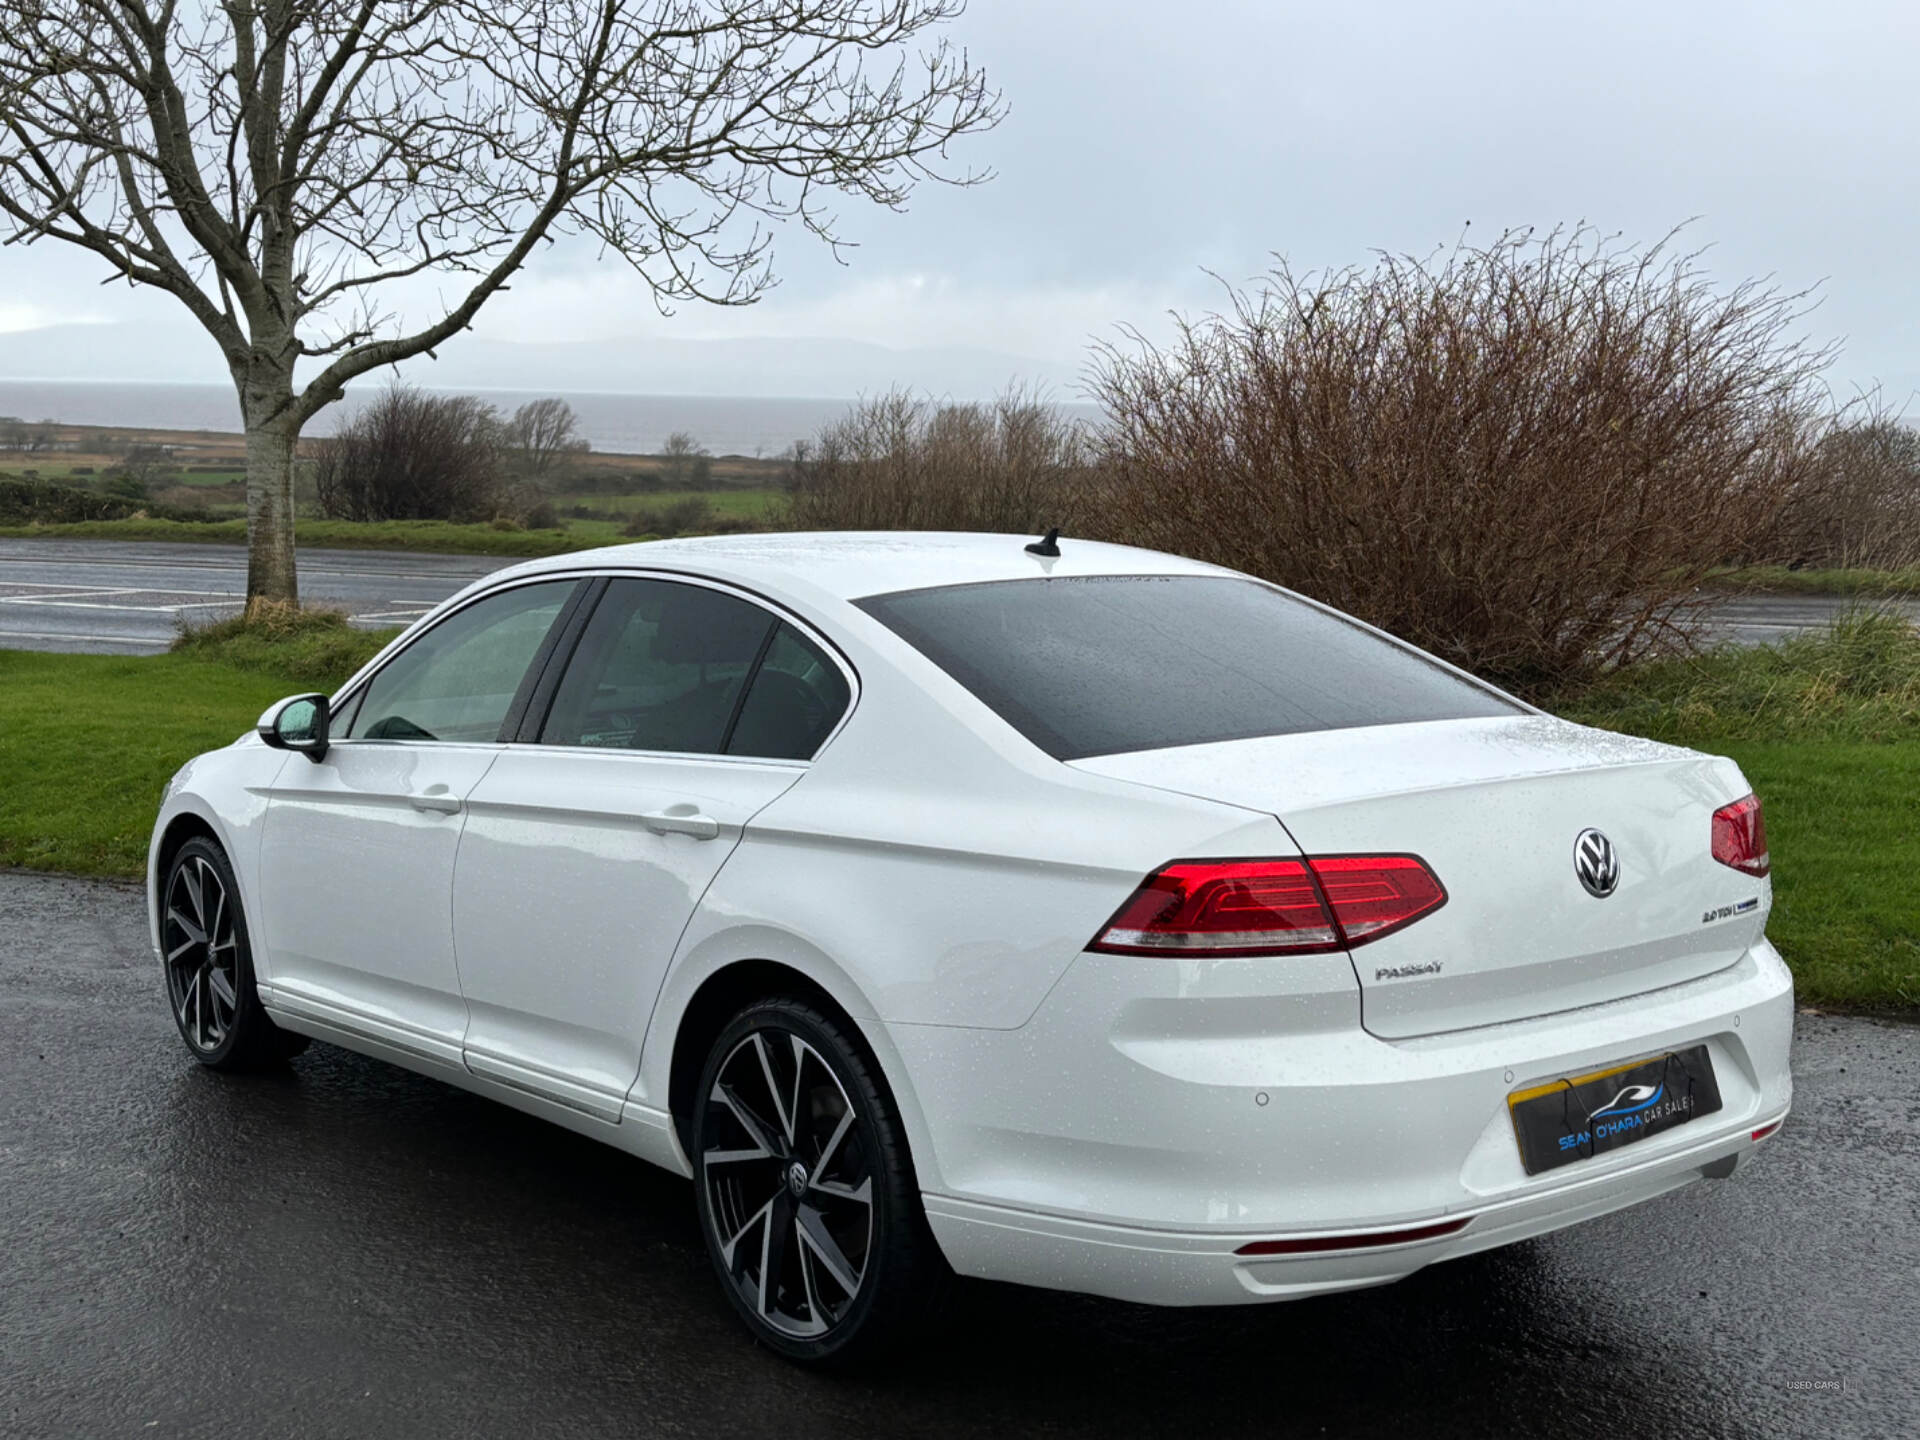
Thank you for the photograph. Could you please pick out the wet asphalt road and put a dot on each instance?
(344, 1249)
(111, 597)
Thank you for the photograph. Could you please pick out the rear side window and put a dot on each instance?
(798, 695)
(660, 666)
(1109, 664)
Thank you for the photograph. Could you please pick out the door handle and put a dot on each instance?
(437, 800)
(682, 820)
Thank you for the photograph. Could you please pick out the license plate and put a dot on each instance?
(1586, 1115)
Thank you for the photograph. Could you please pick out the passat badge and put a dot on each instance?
(1595, 862)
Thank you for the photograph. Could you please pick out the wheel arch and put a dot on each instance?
(724, 984)
(188, 821)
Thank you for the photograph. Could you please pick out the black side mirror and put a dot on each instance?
(297, 723)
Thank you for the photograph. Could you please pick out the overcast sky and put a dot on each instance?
(1149, 141)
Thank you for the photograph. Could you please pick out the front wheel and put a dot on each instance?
(209, 965)
(806, 1191)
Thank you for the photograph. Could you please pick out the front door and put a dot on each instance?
(357, 850)
(585, 853)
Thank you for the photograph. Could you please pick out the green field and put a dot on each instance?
(1827, 728)
(433, 536)
(733, 504)
(437, 536)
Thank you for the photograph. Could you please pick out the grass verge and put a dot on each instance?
(432, 536)
(88, 741)
(1779, 580)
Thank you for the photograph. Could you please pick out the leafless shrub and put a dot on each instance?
(1523, 457)
(692, 514)
(412, 456)
(1864, 509)
(901, 463)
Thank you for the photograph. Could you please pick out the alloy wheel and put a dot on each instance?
(789, 1183)
(197, 935)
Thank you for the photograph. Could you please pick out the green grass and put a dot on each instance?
(1857, 680)
(88, 741)
(1778, 580)
(728, 504)
(434, 536)
(1844, 828)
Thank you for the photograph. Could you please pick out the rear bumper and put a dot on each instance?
(1128, 1143)
(1160, 1267)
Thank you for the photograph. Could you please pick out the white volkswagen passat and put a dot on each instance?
(1077, 916)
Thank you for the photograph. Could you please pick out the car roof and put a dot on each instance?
(848, 565)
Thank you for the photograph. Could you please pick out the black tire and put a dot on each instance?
(207, 960)
(809, 1313)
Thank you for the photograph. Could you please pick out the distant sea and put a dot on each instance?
(631, 424)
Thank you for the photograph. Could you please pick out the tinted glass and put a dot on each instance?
(796, 698)
(457, 681)
(1106, 665)
(660, 666)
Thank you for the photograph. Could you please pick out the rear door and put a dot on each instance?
(683, 709)
(357, 850)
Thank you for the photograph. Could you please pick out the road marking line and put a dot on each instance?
(60, 604)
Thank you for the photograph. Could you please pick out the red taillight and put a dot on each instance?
(1271, 907)
(1740, 836)
(1765, 1130)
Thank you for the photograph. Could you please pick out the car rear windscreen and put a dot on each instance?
(1107, 664)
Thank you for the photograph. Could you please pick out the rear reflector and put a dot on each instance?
(1766, 1130)
(1314, 1244)
(1271, 907)
(1740, 836)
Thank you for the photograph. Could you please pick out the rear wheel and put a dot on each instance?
(806, 1192)
(209, 965)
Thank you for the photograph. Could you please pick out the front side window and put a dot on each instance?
(458, 681)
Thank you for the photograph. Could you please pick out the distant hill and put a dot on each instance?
(828, 369)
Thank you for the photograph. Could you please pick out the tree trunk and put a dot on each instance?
(270, 566)
(264, 379)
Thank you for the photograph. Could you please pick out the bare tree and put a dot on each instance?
(280, 166)
(686, 463)
(542, 435)
(139, 468)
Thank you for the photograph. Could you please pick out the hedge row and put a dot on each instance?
(34, 502)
